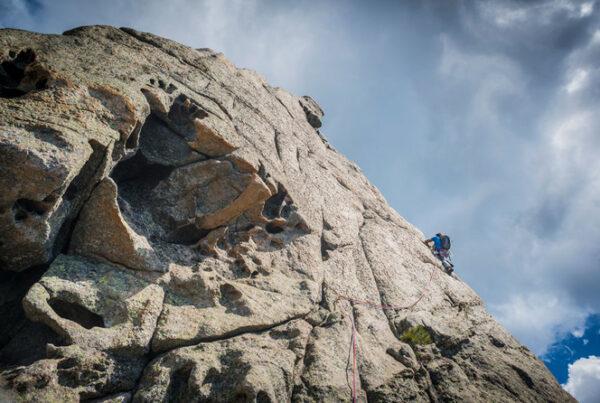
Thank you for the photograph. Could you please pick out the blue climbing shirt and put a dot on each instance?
(437, 242)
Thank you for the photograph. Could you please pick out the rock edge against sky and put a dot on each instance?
(188, 229)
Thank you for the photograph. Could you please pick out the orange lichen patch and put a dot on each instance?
(256, 192)
(208, 142)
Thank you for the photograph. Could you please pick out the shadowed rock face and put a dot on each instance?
(187, 230)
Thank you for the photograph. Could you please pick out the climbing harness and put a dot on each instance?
(374, 306)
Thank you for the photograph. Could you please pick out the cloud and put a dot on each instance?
(584, 380)
(538, 319)
(279, 41)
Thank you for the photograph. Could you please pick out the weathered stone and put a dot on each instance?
(102, 232)
(229, 370)
(214, 190)
(96, 305)
(72, 373)
(160, 145)
(118, 398)
(208, 142)
(313, 111)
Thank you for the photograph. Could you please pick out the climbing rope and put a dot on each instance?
(374, 306)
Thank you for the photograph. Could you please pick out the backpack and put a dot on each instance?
(445, 239)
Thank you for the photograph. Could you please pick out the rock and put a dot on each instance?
(118, 398)
(72, 373)
(200, 231)
(227, 370)
(160, 145)
(313, 111)
(102, 232)
(96, 305)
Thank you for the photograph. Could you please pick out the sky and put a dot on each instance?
(479, 119)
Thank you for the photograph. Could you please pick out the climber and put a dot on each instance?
(440, 246)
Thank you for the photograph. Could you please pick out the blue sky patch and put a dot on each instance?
(572, 348)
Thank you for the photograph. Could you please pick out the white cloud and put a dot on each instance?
(584, 380)
(586, 9)
(513, 14)
(486, 82)
(585, 342)
(578, 332)
(577, 80)
(538, 320)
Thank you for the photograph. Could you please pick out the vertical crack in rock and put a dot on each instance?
(79, 191)
(279, 100)
(277, 144)
(381, 300)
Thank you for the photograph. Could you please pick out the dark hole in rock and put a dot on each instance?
(161, 84)
(138, 169)
(188, 234)
(20, 215)
(41, 84)
(29, 207)
(152, 81)
(177, 390)
(263, 397)
(98, 366)
(212, 376)
(326, 247)
(68, 378)
(171, 88)
(275, 204)
(134, 137)
(76, 313)
(67, 363)
(182, 114)
(12, 73)
(230, 292)
(83, 178)
(273, 229)
(241, 396)
(13, 287)
(222, 244)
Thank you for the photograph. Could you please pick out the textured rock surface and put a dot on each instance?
(192, 229)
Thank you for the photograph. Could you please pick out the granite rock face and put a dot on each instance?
(173, 228)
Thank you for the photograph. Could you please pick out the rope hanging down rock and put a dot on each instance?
(374, 306)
